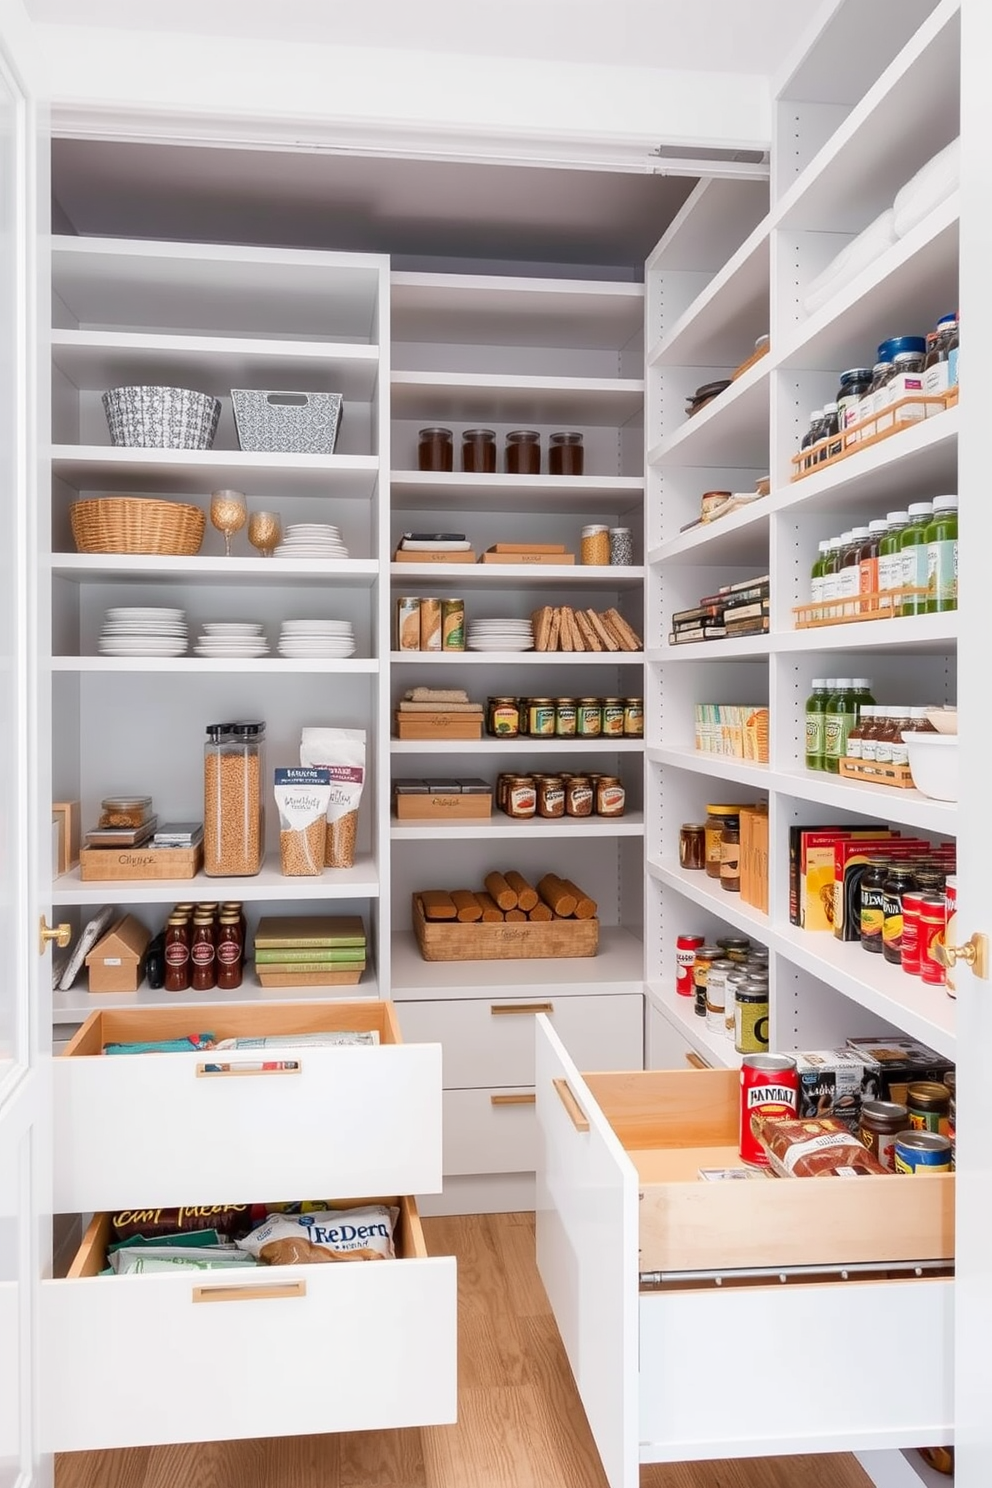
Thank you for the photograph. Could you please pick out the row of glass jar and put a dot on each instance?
(564, 794)
(565, 718)
(521, 456)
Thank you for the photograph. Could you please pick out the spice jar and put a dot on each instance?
(578, 796)
(565, 454)
(232, 800)
(610, 796)
(523, 452)
(521, 797)
(633, 718)
(692, 845)
(565, 721)
(503, 717)
(230, 952)
(613, 717)
(730, 855)
(621, 547)
(589, 718)
(715, 817)
(550, 796)
(435, 450)
(479, 451)
(595, 544)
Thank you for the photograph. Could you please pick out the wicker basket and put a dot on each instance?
(137, 524)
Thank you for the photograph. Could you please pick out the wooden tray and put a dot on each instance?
(436, 807)
(438, 725)
(131, 864)
(520, 940)
(897, 775)
(341, 977)
(435, 555)
(931, 405)
(878, 605)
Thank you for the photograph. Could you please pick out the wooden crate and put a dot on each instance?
(131, 864)
(436, 555)
(897, 775)
(438, 725)
(434, 806)
(519, 940)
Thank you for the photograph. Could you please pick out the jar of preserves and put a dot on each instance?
(550, 796)
(692, 845)
(232, 800)
(177, 946)
(230, 952)
(613, 716)
(541, 717)
(565, 718)
(565, 454)
(881, 1123)
(929, 1106)
(633, 718)
(435, 450)
(595, 547)
(589, 718)
(479, 451)
(521, 797)
(578, 796)
(610, 796)
(503, 717)
(730, 855)
(203, 954)
(523, 452)
(715, 818)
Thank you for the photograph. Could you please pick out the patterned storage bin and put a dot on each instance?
(287, 423)
(161, 417)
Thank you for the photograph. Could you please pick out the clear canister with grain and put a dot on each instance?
(233, 818)
(595, 547)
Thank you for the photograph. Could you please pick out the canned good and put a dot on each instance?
(408, 622)
(705, 956)
(578, 796)
(922, 1152)
(550, 796)
(503, 717)
(452, 625)
(769, 1087)
(540, 718)
(751, 1018)
(899, 882)
(565, 720)
(929, 1106)
(881, 1123)
(613, 715)
(430, 624)
(933, 929)
(910, 948)
(716, 995)
(521, 797)
(610, 796)
(633, 718)
(737, 947)
(686, 947)
(736, 977)
(950, 932)
(589, 718)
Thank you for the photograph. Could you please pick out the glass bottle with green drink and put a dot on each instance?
(942, 555)
(816, 573)
(889, 554)
(831, 566)
(913, 548)
(841, 716)
(816, 723)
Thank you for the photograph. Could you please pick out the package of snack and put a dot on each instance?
(300, 1040)
(231, 1220)
(326, 1235)
(340, 751)
(814, 1148)
(302, 796)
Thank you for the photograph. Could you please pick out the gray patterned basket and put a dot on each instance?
(287, 423)
(161, 417)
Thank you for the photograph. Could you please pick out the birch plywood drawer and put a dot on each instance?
(160, 1130)
(618, 1196)
(289, 1350)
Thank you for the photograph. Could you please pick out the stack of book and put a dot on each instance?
(309, 950)
(739, 609)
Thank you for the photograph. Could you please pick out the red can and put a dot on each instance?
(933, 926)
(769, 1087)
(912, 901)
(685, 958)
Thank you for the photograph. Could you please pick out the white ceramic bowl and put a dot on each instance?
(933, 763)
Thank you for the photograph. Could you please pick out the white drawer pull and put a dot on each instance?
(578, 1117)
(249, 1293)
(506, 1009)
(276, 1067)
(512, 1100)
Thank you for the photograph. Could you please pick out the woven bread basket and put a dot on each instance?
(137, 524)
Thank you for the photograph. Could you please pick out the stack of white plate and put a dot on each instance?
(136, 631)
(311, 540)
(242, 639)
(312, 638)
(500, 635)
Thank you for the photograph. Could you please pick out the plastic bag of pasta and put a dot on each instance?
(341, 752)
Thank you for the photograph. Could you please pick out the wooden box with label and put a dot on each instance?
(116, 963)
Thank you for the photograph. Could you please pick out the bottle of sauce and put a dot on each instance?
(849, 576)
(913, 549)
(936, 378)
(813, 435)
(866, 406)
(870, 732)
(890, 736)
(854, 384)
(915, 722)
(177, 967)
(203, 954)
(816, 723)
(869, 564)
(941, 539)
(230, 952)
(855, 739)
(831, 431)
(890, 555)
(842, 715)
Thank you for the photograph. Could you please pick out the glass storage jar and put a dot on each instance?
(715, 818)
(565, 453)
(595, 547)
(232, 800)
(435, 450)
(479, 451)
(523, 452)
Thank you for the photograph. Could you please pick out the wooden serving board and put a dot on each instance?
(129, 864)
(519, 940)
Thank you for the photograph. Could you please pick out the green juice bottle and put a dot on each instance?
(913, 548)
(816, 723)
(942, 555)
(841, 716)
(890, 556)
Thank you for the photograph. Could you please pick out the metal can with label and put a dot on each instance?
(929, 1106)
(769, 1087)
(452, 625)
(933, 930)
(704, 958)
(751, 1018)
(922, 1152)
(686, 947)
(951, 910)
(716, 995)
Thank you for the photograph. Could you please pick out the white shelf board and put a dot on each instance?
(907, 634)
(618, 966)
(516, 658)
(76, 1005)
(264, 666)
(717, 1049)
(715, 219)
(738, 648)
(921, 460)
(721, 325)
(214, 364)
(921, 1011)
(698, 887)
(360, 882)
(515, 575)
(884, 803)
(423, 490)
(501, 826)
(579, 401)
(732, 430)
(358, 573)
(912, 110)
(715, 766)
(915, 280)
(105, 468)
(740, 537)
(497, 310)
(560, 748)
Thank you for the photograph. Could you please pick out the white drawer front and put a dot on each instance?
(145, 1131)
(489, 1131)
(490, 1041)
(136, 1360)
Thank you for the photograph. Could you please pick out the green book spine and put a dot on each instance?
(309, 942)
(326, 956)
(302, 968)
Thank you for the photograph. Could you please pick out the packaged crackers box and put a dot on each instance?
(798, 837)
(830, 1083)
(850, 861)
(816, 885)
(893, 1063)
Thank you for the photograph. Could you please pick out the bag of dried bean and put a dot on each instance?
(301, 796)
(341, 752)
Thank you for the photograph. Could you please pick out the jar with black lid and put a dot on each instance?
(873, 904)
(854, 383)
(736, 947)
(900, 878)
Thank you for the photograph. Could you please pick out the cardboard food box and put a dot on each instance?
(130, 864)
(67, 815)
(830, 1084)
(117, 962)
(439, 725)
(754, 856)
(893, 1063)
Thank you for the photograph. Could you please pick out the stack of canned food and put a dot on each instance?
(562, 794)
(905, 908)
(728, 981)
(565, 718)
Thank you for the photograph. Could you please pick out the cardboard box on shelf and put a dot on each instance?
(67, 814)
(754, 856)
(117, 962)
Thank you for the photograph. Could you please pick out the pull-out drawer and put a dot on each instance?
(280, 1351)
(618, 1198)
(489, 1041)
(489, 1131)
(158, 1130)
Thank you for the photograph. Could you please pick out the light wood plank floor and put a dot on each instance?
(520, 1423)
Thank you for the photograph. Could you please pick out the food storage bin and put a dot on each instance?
(233, 836)
(286, 423)
(933, 764)
(161, 417)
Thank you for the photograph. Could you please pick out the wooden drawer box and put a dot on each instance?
(133, 864)
(523, 940)
(156, 1130)
(287, 1351)
(439, 806)
(617, 1196)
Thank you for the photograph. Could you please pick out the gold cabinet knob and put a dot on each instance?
(61, 934)
(974, 953)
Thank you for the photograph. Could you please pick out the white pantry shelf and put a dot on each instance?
(192, 666)
(617, 967)
(516, 658)
(489, 310)
(740, 537)
(360, 882)
(908, 808)
(716, 766)
(732, 430)
(498, 398)
(722, 323)
(105, 468)
(542, 748)
(359, 573)
(738, 648)
(698, 887)
(78, 1003)
(423, 490)
(904, 634)
(716, 1048)
(455, 576)
(501, 826)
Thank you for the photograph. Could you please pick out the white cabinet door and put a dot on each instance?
(23, 1015)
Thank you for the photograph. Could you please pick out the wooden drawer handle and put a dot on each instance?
(238, 1071)
(578, 1117)
(505, 1010)
(512, 1100)
(697, 1061)
(249, 1293)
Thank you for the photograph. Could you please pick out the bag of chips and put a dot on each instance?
(326, 1235)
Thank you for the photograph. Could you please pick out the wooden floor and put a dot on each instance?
(520, 1423)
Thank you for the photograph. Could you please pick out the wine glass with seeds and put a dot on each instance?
(264, 532)
(228, 513)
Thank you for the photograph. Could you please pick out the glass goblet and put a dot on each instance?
(264, 532)
(228, 513)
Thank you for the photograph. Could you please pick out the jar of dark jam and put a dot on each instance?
(479, 451)
(550, 796)
(873, 904)
(578, 796)
(692, 845)
(523, 452)
(565, 454)
(435, 450)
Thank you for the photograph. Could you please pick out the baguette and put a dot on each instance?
(585, 908)
(541, 912)
(527, 896)
(468, 907)
(515, 914)
(438, 904)
(606, 636)
(628, 637)
(502, 893)
(557, 896)
(589, 636)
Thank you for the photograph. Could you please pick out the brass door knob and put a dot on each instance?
(974, 953)
(61, 934)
